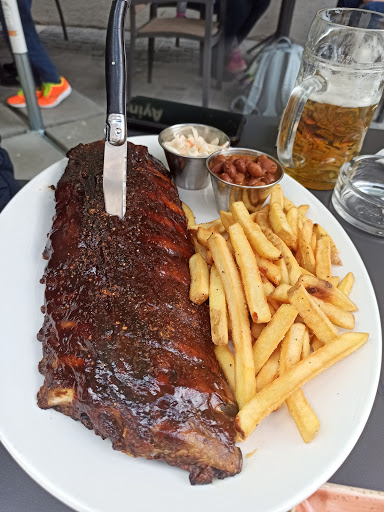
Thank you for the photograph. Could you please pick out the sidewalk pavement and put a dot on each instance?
(81, 117)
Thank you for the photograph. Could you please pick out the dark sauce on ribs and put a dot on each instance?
(124, 349)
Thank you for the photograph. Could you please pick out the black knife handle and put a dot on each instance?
(115, 59)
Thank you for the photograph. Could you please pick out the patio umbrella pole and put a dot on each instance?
(20, 54)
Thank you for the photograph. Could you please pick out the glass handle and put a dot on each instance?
(292, 114)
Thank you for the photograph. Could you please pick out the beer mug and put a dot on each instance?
(338, 88)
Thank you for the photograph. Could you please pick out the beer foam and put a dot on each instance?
(350, 90)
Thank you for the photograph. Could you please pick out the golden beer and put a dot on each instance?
(327, 136)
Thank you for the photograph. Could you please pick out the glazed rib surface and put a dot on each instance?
(124, 349)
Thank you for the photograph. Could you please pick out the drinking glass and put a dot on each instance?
(338, 88)
(359, 193)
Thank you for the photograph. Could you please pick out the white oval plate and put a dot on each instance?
(84, 472)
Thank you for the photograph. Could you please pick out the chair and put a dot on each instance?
(204, 30)
(62, 20)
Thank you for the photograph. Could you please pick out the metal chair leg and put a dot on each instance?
(220, 64)
(62, 20)
(151, 56)
(201, 58)
(207, 65)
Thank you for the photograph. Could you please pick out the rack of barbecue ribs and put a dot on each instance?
(124, 349)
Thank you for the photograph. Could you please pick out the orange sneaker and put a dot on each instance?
(18, 101)
(53, 94)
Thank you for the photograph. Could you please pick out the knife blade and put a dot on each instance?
(114, 178)
(115, 152)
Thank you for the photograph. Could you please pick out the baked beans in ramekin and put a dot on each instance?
(241, 174)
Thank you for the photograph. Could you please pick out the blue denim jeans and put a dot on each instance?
(374, 6)
(356, 4)
(42, 67)
(8, 184)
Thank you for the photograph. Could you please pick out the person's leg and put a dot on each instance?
(256, 9)
(236, 15)
(374, 6)
(8, 184)
(53, 88)
(42, 66)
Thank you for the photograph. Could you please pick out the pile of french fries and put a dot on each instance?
(268, 278)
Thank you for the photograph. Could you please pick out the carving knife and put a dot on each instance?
(115, 152)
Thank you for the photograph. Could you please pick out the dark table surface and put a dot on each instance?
(364, 467)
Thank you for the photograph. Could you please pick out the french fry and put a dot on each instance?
(230, 247)
(253, 286)
(189, 215)
(311, 313)
(264, 209)
(255, 198)
(288, 204)
(323, 258)
(316, 343)
(346, 283)
(217, 224)
(256, 329)
(298, 257)
(328, 293)
(267, 285)
(199, 249)
(303, 208)
(334, 250)
(306, 351)
(217, 309)
(298, 406)
(271, 397)
(229, 324)
(272, 309)
(284, 271)
(277, 196)
(273, 303)
(226, 219)
(245, 381)
(199, 290)
(272, 334)
(227, 364)
(291, 347)
(313, 242)
(277, 278)
(304, 243)
(254, 234)
(280, 294)
(262, 220)
(305, 271)
(300, 221)
(336, 315)
(292, 216)
(203, 235)
(290, 261)
(305, 418)
(249, 206)
(269, 269)
(269, 371)
(334, 280)
(258, 196)
(280, 225)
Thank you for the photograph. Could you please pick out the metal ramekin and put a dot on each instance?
(227, 193)
(189, 172)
